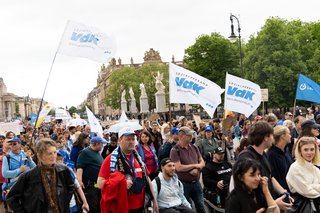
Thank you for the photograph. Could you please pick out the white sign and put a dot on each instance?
(12, 126)
(241, 95)
(62, 114)
(264, 95)
(190, 88)
(84, 41)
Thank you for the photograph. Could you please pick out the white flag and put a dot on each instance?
(94, 123)
(241, 95)
(190, 88)
(88, 42)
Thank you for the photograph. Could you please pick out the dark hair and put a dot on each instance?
(258, 131)
(241, 167)
(113, 138)
(66, 131)
(80, 140)
(145, 133)
(306, 132)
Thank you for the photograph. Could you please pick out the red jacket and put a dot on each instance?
(114, 194)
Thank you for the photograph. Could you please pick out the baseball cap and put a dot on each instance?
(186, 130)
(208, 129)
(174, 130)
(97, 139)
(165, 161)
(15, 140)
(218, 150)
(126, 131)
(309, 124)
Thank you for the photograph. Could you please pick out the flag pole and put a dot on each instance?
(45, 87)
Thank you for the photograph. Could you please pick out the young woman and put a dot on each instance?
(303, 177)
(245, 198)
(81, 142)
(279, 156)
(148, 155)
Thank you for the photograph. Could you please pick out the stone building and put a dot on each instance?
(96, 98)
(13, 106)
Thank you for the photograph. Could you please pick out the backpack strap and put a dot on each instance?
(158, 184)
(9, 165)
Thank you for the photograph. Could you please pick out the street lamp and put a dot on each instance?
(233, 37)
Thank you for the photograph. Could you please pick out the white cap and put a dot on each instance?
(106, 132)
(126, 131)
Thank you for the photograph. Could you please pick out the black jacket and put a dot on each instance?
(28, 195)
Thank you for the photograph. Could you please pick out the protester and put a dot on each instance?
(46, 188)
(216, 177)
(287, 116)
(261, 138)
(6, 148)
(148, 154)
(271, 119)
(74, 206)
(78, 145)
(169, 190)
(244, 143)
(123, 176)
(165, 132)
(295, 132)
(106, 136)
(108, 148)
(164, 151)
(156, 137)
(246, 128)
(244, 197)
(15, 163)
(88, 165)
(208, 144)
(188, 164)
(279, 156)
(303, 177)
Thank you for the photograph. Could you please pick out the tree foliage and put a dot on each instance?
(279, 52)
(126, 77)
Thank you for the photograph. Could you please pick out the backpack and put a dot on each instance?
(158, 182)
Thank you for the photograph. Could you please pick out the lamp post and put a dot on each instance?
(233, 37)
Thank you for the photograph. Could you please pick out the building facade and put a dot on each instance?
(13, 106)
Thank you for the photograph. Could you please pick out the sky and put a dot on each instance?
(31, 31)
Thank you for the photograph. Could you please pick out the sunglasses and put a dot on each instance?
(14, 143)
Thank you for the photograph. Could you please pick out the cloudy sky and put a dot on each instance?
(31, 31)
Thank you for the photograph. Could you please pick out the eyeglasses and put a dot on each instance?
(290, 115)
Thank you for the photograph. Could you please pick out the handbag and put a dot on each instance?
(302, 204)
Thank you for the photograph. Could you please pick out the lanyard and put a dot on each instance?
(131, 163)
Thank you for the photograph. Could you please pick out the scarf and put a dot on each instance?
(49, 181)
(118, 162)
(141, 153)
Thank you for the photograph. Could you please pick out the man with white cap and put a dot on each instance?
(123, 176)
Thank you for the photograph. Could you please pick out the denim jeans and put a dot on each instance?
(193, 191)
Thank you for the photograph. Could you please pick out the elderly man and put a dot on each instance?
(123, 176)
(188, 163)
(169, 190)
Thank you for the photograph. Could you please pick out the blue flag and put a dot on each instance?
(307, 90)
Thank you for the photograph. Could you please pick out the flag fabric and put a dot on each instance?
(94, 123)
(188, 87)
(43, 113)
(307, 90)
(84, 41)
(241, 95)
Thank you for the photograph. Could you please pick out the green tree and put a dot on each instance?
(72, 110)
(211, 56)
(126, 77)
(273, 61)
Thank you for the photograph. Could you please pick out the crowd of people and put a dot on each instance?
(166, 167)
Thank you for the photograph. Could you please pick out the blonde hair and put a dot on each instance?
(278, 131)
(303, 141)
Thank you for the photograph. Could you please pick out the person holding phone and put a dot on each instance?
(244, 198)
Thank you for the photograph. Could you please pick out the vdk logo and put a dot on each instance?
(246, 94)
(303, 86)
(84, 38)
(182, 82)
